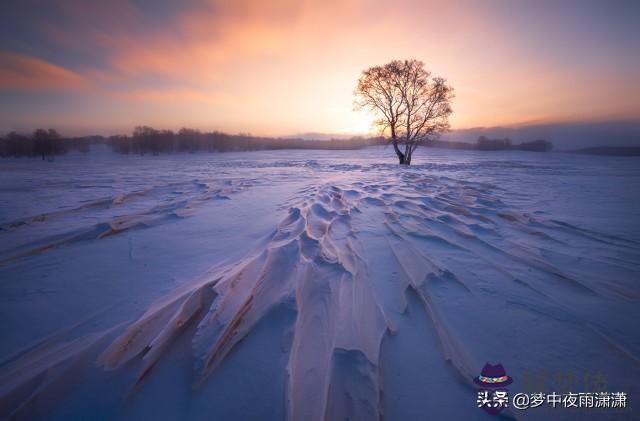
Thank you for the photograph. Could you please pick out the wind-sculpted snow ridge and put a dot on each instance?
(119, 213)
(349, 258)
(310, 262)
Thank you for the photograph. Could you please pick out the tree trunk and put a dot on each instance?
(407, 155)
(401, 156)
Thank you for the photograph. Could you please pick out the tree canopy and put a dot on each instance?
(410, 105)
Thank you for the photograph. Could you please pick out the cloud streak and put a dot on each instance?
(24, 73)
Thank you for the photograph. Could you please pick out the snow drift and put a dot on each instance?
(388, 289)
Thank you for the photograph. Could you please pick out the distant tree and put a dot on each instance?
(410, 105)
(486, 144)
(120, 143)
(56, 145)
(41, 140)
(17, 145)
(188, 139)
(48, 143)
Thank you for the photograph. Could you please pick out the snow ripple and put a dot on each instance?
(456, 246)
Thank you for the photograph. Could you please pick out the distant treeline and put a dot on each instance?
(147, 140)
(485, 144)
(41, 143)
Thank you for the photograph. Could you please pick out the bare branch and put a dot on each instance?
(409, 103)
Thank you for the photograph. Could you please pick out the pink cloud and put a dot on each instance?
(21, 72)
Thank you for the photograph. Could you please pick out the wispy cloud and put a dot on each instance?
(20, 72)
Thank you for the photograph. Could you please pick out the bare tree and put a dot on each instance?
(409, 104)
(47, 143)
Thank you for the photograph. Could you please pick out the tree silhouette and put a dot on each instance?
(410, 105)
(48, 143)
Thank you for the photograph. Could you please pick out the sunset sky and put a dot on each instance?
(286, 67)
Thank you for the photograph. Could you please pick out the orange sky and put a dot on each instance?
(285, 67)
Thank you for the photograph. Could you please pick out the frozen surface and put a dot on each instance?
(313, 285)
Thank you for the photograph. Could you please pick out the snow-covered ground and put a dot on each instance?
(314, 285)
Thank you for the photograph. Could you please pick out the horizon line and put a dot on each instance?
(337, 135)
